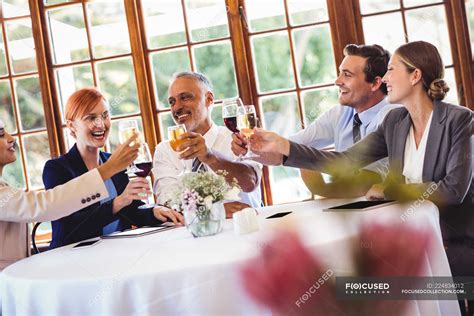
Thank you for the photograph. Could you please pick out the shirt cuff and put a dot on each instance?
(289, 160)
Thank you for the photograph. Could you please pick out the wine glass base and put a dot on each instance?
(248, 156)
(147, 206)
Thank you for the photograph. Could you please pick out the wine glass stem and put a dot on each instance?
(249, 150)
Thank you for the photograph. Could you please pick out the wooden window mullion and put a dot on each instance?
(52, 111)
(87, 26)
(149, 73)
(239, 30)
(342, 18)
(148, 111)
(293, 64)
(187, 32)
(241, 63)
(460, 46)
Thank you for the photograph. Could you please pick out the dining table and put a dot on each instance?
(173, 273)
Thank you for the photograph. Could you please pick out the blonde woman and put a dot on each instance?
(427, 141)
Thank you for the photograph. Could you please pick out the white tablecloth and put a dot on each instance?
(172, 273)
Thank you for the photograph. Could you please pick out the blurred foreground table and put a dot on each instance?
(172, 273)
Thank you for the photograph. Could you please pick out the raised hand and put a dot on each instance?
(193, 145)
(263, 141)
(123, 156)
(135, 190)
(239, 144)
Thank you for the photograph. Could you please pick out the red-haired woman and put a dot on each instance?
(88, 119)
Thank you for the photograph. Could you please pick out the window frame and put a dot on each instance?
(10, 78)
(345, 23)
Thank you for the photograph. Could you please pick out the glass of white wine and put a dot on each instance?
(246, 122)
(173, 134)
(127, 129)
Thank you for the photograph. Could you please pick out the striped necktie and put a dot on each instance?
(356, 123)
(198, 166)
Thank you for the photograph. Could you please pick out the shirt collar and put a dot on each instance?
(368, 115)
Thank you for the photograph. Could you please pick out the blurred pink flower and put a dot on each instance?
(285, 270)
(391, 251)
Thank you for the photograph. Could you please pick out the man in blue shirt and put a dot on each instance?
(362, 96)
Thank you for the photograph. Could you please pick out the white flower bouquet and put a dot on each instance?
(200, 195)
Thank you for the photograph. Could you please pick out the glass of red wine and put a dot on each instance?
(229, 113)
(144, 163)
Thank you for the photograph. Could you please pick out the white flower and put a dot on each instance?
(206, 188)
(208, 201)
(232, 194)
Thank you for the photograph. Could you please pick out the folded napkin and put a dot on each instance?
(245, 221)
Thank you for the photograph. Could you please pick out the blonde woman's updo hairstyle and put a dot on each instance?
(425, 57)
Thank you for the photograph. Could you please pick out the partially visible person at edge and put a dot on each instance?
(17, 207)
(428, 143)
(88, 119)
(363, 106)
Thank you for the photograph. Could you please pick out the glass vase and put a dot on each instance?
(205, 221)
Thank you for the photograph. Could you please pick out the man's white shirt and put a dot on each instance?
(167, 165)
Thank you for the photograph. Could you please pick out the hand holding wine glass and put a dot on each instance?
(263, 141)
(229, 114)
(239, 144)
(135, 190)
(127, 129)
(173, 134)
(144, 163)
(246, 122)
(123, 156)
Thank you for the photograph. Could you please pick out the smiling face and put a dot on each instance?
(354, 91)
(399, 80)
(92, 129)
(190, 102)
(7, 148)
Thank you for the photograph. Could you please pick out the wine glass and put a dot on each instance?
(173, 133)
(127, 129)
(144, 163)
(229, 113)
(246, 122)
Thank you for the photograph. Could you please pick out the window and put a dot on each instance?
(90, 46)
(294, 68)
(20, 96)
(393, 23)
(281, 55)
(188, 35)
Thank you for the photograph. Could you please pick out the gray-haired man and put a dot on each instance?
(205, 146)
